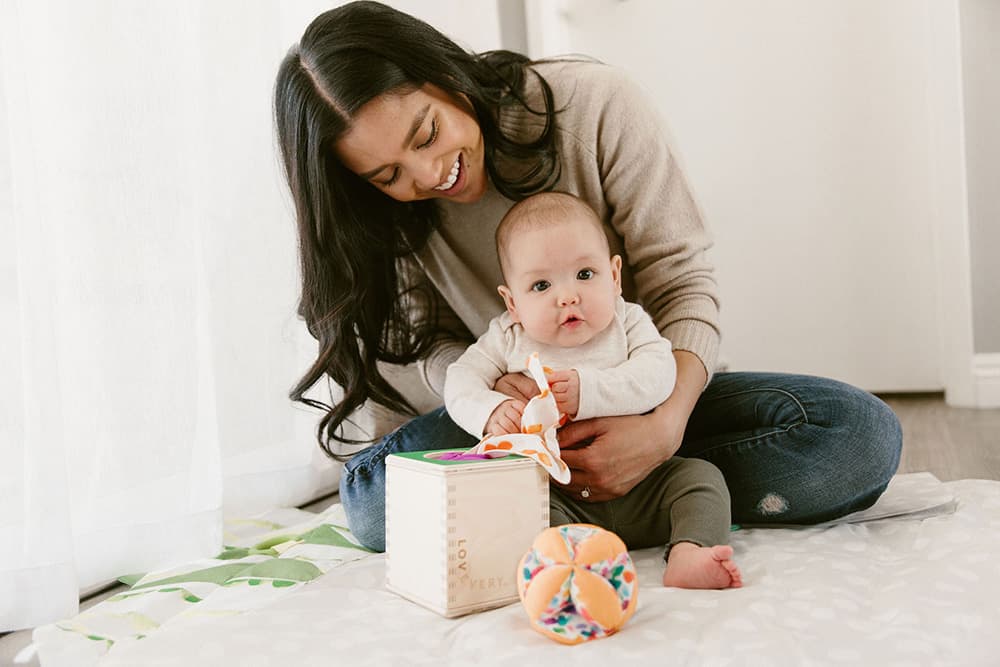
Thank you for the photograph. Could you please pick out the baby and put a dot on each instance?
(563, 298)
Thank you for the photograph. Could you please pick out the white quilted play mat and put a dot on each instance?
(913, 581)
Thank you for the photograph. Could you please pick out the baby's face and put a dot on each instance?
(562, 286)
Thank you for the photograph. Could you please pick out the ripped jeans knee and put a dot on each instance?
(772, 505)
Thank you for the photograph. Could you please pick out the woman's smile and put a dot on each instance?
(451, 185)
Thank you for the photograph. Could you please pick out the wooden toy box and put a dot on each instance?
(455, 530)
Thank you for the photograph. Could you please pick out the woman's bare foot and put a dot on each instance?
(692, 566)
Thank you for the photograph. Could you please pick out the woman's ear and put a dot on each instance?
(508, 300)
(616, 272)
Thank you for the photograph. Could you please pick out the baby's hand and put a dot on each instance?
(506, 418)
(565, 387)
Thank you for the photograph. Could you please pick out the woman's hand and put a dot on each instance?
(517, 385)
(610, 455)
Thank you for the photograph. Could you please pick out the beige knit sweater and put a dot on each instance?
(616, 156)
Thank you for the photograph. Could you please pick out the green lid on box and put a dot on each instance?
(432, 456)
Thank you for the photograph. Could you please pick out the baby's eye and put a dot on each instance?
(585, 274)
(540, 286)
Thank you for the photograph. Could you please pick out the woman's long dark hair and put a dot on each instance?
(354, 299)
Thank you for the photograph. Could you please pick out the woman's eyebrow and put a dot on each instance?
(418, 120)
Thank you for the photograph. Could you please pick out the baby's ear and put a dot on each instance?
(616, 272)
(508, 300)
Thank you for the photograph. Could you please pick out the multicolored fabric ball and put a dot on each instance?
(577, 583)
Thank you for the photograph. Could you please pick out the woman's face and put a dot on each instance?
(422, 144)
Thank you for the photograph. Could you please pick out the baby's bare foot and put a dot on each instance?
(692, 566)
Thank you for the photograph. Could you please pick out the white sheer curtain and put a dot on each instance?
(148, 284)
(148, 287)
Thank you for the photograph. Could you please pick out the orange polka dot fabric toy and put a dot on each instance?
(577, 583)
(537, 439)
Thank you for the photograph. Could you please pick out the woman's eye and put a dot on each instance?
(540, 286)
(433, 135)
(391, 181)
(585, 274)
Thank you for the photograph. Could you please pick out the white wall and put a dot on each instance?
(820, 138)
(981, 70)
(474, 24)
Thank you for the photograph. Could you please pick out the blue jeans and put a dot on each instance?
(793, 449)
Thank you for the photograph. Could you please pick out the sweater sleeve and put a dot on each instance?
(654, 212)
(638, 384)
(468, 391)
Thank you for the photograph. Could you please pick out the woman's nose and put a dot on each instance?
(426, 173)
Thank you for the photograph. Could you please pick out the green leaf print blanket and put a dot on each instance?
(269, 557)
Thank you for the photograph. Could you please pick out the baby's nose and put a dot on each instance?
(569, 298)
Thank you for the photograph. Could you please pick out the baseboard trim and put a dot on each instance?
(986, 376)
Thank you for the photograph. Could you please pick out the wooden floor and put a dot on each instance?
(952, 443)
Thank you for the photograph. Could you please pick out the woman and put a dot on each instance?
(403, 152)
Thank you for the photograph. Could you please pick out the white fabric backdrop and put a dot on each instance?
(148, 285)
